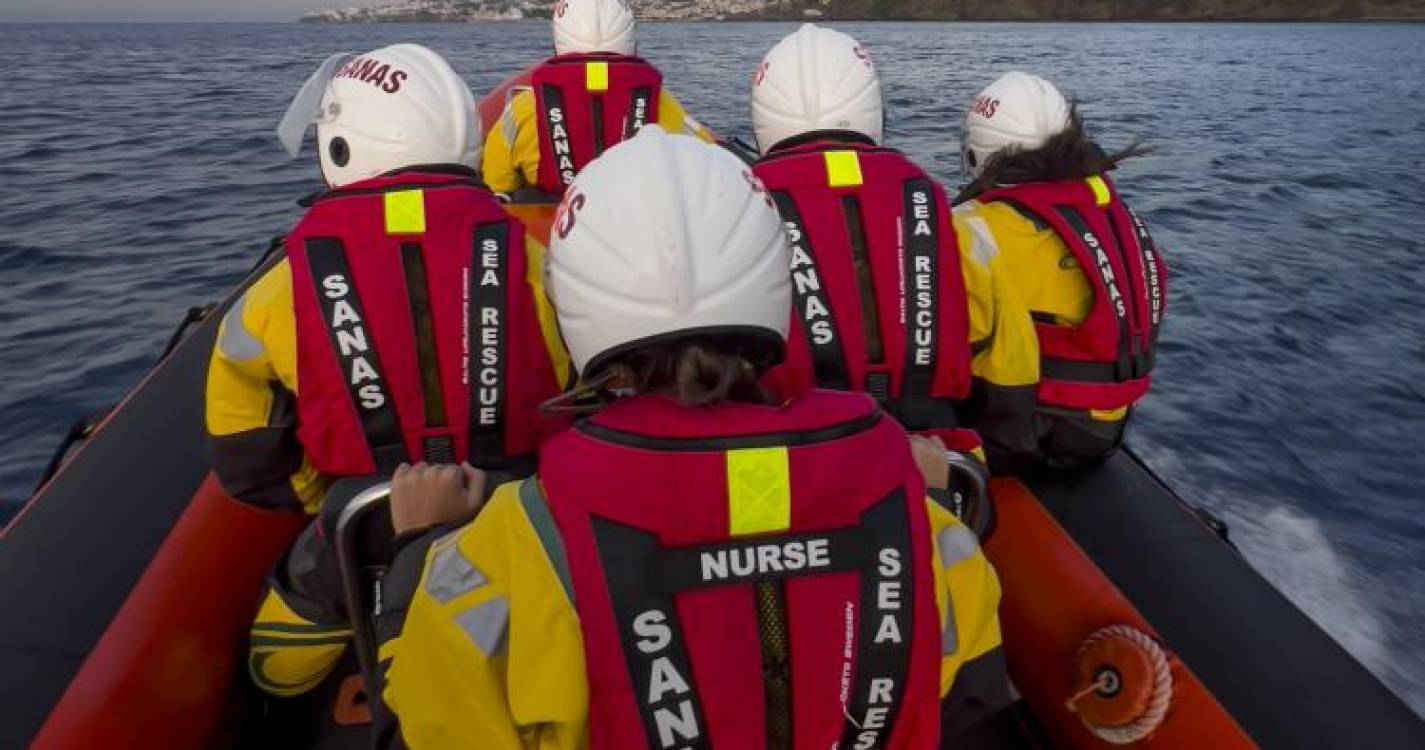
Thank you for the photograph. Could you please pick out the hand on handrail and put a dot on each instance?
(427, 495)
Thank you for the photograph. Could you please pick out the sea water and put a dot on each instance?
(139, 175)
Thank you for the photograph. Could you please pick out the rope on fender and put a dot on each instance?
(1125, 684)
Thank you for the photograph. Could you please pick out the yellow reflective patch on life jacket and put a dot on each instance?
(596, 76)
(1108, 415)
(843, 169)
(405, 212)
(759, 491)
(1101, 196)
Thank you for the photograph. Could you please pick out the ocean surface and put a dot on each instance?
(139, 175)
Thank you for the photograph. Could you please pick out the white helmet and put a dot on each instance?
(816, 79)
(1018, 111)
(400, 106)
(593, 26)
(665, 234)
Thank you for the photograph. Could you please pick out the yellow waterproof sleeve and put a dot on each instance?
(249, 407)
(288, 654)
(491, 654)
(1001, 330)
(969, 595)
(511, 156)
(675, 119)
(1037, 263)
(544, 310)
(510, 159)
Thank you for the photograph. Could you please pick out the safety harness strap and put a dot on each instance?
(486, 346)
(917, 407)
(357, 359)
(651, 637)
(1098, 249)
(556, 120)
(813, 306)
(639, 105)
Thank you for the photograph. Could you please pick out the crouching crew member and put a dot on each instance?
(692, 567)
(592, 94)
(406, 322)
(888, 298)
(1082, 260)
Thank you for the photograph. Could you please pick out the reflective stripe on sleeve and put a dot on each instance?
(237, 343)
(956, 544)
(486, 624)
(983, 247)
(451, 575)
(509, 127)
(949, 634)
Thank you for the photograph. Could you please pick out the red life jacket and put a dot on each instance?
(679, 525)
(880, 299)
(586, 103)
(408, 275)
(1103, 363)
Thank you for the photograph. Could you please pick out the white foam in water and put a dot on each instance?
(1291, 550)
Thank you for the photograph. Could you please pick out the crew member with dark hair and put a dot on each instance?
(1094, 281)
(406, 321)
(592, 94)
(694, 566)
(890, 297)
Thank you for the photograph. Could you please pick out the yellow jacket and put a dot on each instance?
(491, 653)
(300, 631)
(1038, 263)
(252, 390)
(1047, 277)
(1005, 362)
(511, 155)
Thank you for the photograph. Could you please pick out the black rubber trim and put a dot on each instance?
(730, 442)
(71, 557)
(1283, 679)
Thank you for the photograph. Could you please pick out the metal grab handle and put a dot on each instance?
(361, 604)
(970, 489)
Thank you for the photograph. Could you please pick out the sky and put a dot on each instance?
(166, 10)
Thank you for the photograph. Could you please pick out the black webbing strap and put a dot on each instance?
(1084, 372)
(596, 120)
(1153, 283)
(355, 351)
(651, 637)
(639, 104)
(556, 123)
(486, 347)
(812, 306)
(1098, 251)
(884, 627)
(917, 407)
(865, 281)
(437, 449)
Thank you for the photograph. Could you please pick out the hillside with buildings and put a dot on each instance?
(466, 11)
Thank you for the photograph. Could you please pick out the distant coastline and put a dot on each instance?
(469, 11)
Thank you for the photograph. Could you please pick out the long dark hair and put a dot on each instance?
(1070, 155)
(701, 370)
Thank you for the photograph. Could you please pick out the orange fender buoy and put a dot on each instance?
(1123, 684)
